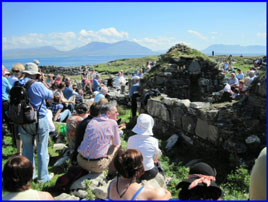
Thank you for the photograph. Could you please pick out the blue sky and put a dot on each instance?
(157, 26)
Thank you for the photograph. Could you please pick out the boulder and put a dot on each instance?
(66, 197)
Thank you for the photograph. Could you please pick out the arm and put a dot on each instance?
(57, 115)
(151, 193)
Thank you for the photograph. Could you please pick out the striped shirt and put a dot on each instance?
(100, 133)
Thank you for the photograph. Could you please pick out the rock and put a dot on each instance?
(194, 67)
(66, 197)
(172, 141)
(206, 131)
(187, 139)
(188, 123)
(80, 183)
(59, 146)
(101, 192)
(198, 105)
(184, 102)
(157, 182)
(80, 193)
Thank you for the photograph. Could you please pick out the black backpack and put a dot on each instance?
(20, 109)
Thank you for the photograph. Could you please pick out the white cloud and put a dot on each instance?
(261, 35)
(63, 40)
(197, 34)
(160, 43)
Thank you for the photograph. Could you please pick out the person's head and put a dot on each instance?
(233, 75)
(251, 73)
(144, 125)
(17, 69)
(95, 109)
(4, 69)
(110, 109)
(56, 99)
(239, 71)
(201, 184)
(17, 174)
(61, 86)
(98, 76)
(7, 74)
(241, 82)
(31, 70)
(81, 108)
(104, 90)
(129, 163)
(36, 62)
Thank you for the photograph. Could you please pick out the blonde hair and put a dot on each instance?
(18, 67)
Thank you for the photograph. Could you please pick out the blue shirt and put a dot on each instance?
(98, 97)
(6, 87)
(95, 85)
(134, 89)
(12, 79)
(38, 93)
(68, 92)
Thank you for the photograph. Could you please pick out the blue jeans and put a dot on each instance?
(64, 115)
(27, 134)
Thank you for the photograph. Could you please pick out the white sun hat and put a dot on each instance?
(144, 126)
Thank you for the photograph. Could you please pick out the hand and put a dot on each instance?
(122, 126)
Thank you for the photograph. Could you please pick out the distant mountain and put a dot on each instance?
(220, 49)
(91, 49)
(46, 51)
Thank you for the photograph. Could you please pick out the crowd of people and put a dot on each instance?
(93, 137)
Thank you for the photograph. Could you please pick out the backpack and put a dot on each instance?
(65, 181)
(20, 109)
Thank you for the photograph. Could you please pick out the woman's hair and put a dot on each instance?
(129, 163)
(82, 108)
(18, 67)
(17, 174)
(61, 85)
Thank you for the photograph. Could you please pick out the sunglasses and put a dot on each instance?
(16, 71)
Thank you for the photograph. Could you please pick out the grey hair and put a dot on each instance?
(108, 107)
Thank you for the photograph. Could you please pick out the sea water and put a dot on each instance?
(68, 61)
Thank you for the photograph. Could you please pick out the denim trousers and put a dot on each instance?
(28, 132)
(64, 115)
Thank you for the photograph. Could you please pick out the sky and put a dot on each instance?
(157, 26)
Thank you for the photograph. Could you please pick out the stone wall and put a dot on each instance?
(238, 127)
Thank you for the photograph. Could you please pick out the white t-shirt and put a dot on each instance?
(120, 80)
(148, 146)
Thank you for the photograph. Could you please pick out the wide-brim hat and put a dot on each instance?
(144, 126)
(31, 68)
(201, 169)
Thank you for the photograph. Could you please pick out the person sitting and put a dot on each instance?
(73, 121)
(233, 81)
(201, 184)
(147, 145)
(56, 107)
(240, 75)
(94, 111)
(103, 92)
(68, 92)
(258, 180)
(101, 141)
(96, 83)
(17, 175)
(129, 165)
(68, 104)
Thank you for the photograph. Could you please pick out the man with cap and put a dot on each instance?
(147, 145)
(37, 93)
(201, 184)
(134, 94)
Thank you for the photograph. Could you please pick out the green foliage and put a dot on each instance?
(90, 194)
(128, 65)
(237, 183)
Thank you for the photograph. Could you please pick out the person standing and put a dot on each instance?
(37, 93)
(134, 94)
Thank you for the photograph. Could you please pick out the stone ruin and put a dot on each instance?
(186, 80)
(184, 73)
